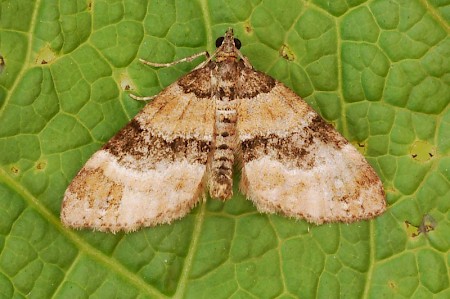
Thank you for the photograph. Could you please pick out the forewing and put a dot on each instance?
(296, 164)
(153, 170)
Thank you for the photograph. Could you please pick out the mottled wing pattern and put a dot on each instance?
(295, 163)
(153, 171)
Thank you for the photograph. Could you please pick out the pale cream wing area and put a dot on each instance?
(296, 164)
(151, 172)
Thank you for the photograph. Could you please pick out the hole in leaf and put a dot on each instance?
(427, 225)
(125, 82)
(45, 56)
(286, 53)
(360, 147)
(422, 151)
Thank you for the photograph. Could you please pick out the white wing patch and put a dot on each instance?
(110, 196)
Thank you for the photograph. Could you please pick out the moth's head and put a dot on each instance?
(227, 46)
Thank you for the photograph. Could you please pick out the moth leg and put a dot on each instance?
(138, 98)
(186, 59)
(244, 59)
(155, 64)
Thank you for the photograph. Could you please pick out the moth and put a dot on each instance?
(188, 139)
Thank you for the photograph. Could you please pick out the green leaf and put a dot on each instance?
(378, 70)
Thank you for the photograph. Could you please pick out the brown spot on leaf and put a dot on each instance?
(15, 169)
(2, 63)
(41, 165)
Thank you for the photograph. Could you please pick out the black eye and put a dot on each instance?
(219, 41)
(237, 43)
